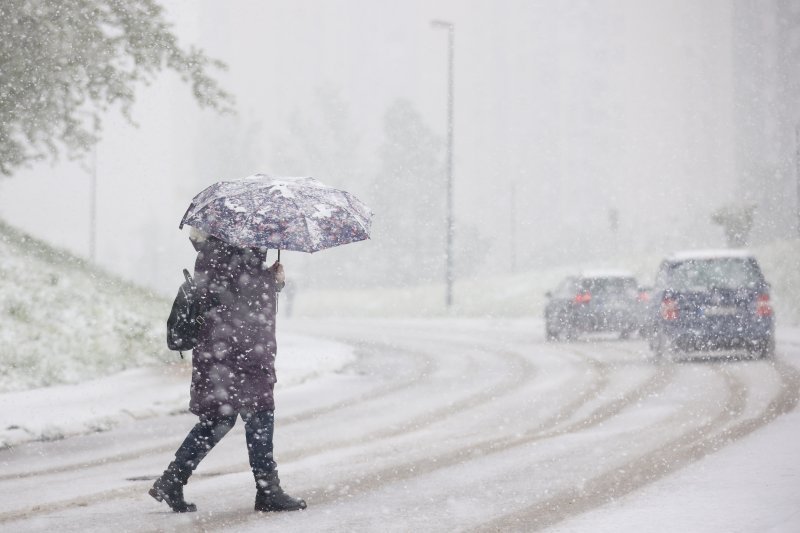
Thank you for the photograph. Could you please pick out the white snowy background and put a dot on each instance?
(396, 413)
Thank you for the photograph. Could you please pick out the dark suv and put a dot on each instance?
(592, 302)
(704, 301)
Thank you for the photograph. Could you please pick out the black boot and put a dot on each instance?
(169, 488)
(270, 496)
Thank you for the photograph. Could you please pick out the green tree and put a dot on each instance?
(64, 62)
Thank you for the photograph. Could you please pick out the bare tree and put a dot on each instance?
(736, 221)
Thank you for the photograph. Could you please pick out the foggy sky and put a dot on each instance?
(585, 106)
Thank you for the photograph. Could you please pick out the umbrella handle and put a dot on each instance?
(277, 294)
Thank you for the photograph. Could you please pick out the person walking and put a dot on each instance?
(233, 370)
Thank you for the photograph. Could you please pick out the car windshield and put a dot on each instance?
(724, 273)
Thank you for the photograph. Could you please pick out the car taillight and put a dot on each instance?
(669, 309)
(643, 297)
(582, 298)
(763, 308)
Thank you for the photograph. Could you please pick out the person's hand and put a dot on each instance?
(277, 269)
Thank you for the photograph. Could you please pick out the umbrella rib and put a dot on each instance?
(183, 218)
(255, 211)
(297, 208)
(212, 196)
(346, 197)
(308, 231)
(196, 214)
(249, 218)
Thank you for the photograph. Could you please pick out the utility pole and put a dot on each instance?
(613, 225)
(797, 173)
(513, 223)
(93, 206)
(448, 277)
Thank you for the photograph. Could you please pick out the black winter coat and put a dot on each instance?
(233, 363)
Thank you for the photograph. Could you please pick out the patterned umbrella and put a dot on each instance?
(298, 214)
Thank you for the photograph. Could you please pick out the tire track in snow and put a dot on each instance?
(422, 365)
(425, 366)
(400, 472)
(374, 480)
(675, 454)
(440, 336)
(519, 373)
(609, 483)
(650, 466)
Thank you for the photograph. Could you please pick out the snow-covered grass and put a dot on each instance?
(523, 294)
(62, 320)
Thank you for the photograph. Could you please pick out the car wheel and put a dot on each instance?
(651, 341)
(550, 329)
(662, 347)
(564, 330)
(767, 351)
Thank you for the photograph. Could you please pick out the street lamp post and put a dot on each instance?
(512, 212)
(448, 276)
(797, 173)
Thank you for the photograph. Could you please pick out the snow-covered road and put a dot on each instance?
(459, 425)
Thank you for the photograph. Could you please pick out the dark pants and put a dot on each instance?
(208, 432)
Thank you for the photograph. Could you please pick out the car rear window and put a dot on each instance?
(608, 285)
(725, 273)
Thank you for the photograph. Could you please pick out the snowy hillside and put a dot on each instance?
(82, 351)
(64, 321)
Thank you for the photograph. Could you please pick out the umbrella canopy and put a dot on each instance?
(299, 214)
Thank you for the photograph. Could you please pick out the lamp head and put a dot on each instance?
(442, 24)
